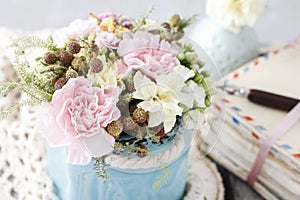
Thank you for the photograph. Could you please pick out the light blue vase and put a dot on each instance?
(227, 50)
(73, 182)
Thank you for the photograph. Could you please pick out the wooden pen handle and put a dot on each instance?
(272, 100)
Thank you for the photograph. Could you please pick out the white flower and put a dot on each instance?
(193, 119)
(196, 92)
(161, 99)
(233, 14)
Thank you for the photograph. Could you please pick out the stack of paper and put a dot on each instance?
(247, 124)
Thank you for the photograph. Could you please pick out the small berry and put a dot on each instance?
(59, 83)
(65, 57)
(95, 48)
(96, 65)
(50, 58)
(73, 47)
(115, 128)
(140, 115)
(141, 151)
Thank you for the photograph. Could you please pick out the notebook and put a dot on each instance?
(277, 72)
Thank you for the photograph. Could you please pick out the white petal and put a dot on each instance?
(172, 81)
(150, 106)
(155, 119)
(169, 123)
(184, 72)
(186, 99)
(139, 79)
(193, 120)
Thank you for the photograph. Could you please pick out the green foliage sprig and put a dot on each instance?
(28, 42)
(37, 82)
(162, 180)
(100, 168)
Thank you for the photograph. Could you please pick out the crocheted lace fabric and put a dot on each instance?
(23, 170)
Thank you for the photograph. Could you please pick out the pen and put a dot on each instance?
(262, 97)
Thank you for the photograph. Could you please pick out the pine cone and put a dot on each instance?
(65, 57)
(73, 48)
(50, 58)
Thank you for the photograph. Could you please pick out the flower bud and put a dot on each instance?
(94, 48)
(207, 100)
(96, 65)
(115, 128)
(205, 74)
(174, 20)
(50, 58)
(112, 55)
(191, 57)
(65, 57)
(73, 47)
(59, 83)
(198, 78)
(140, 115)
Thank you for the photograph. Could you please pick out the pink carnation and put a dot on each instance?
(76, 118)
(77, 28)
(107, 14)
(146, 52)
(107, 39)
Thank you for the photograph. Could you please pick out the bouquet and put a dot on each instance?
(111, 85)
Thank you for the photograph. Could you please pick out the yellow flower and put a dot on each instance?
(108, 24)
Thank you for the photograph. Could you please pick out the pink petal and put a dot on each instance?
(99, 144)
(77, 154)
(50, 129)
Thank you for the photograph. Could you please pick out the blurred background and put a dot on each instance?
(279, 23)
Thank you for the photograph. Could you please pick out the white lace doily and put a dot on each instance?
(23, 173)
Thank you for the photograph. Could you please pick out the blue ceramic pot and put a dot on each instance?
(73, 182)
(227, 50)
